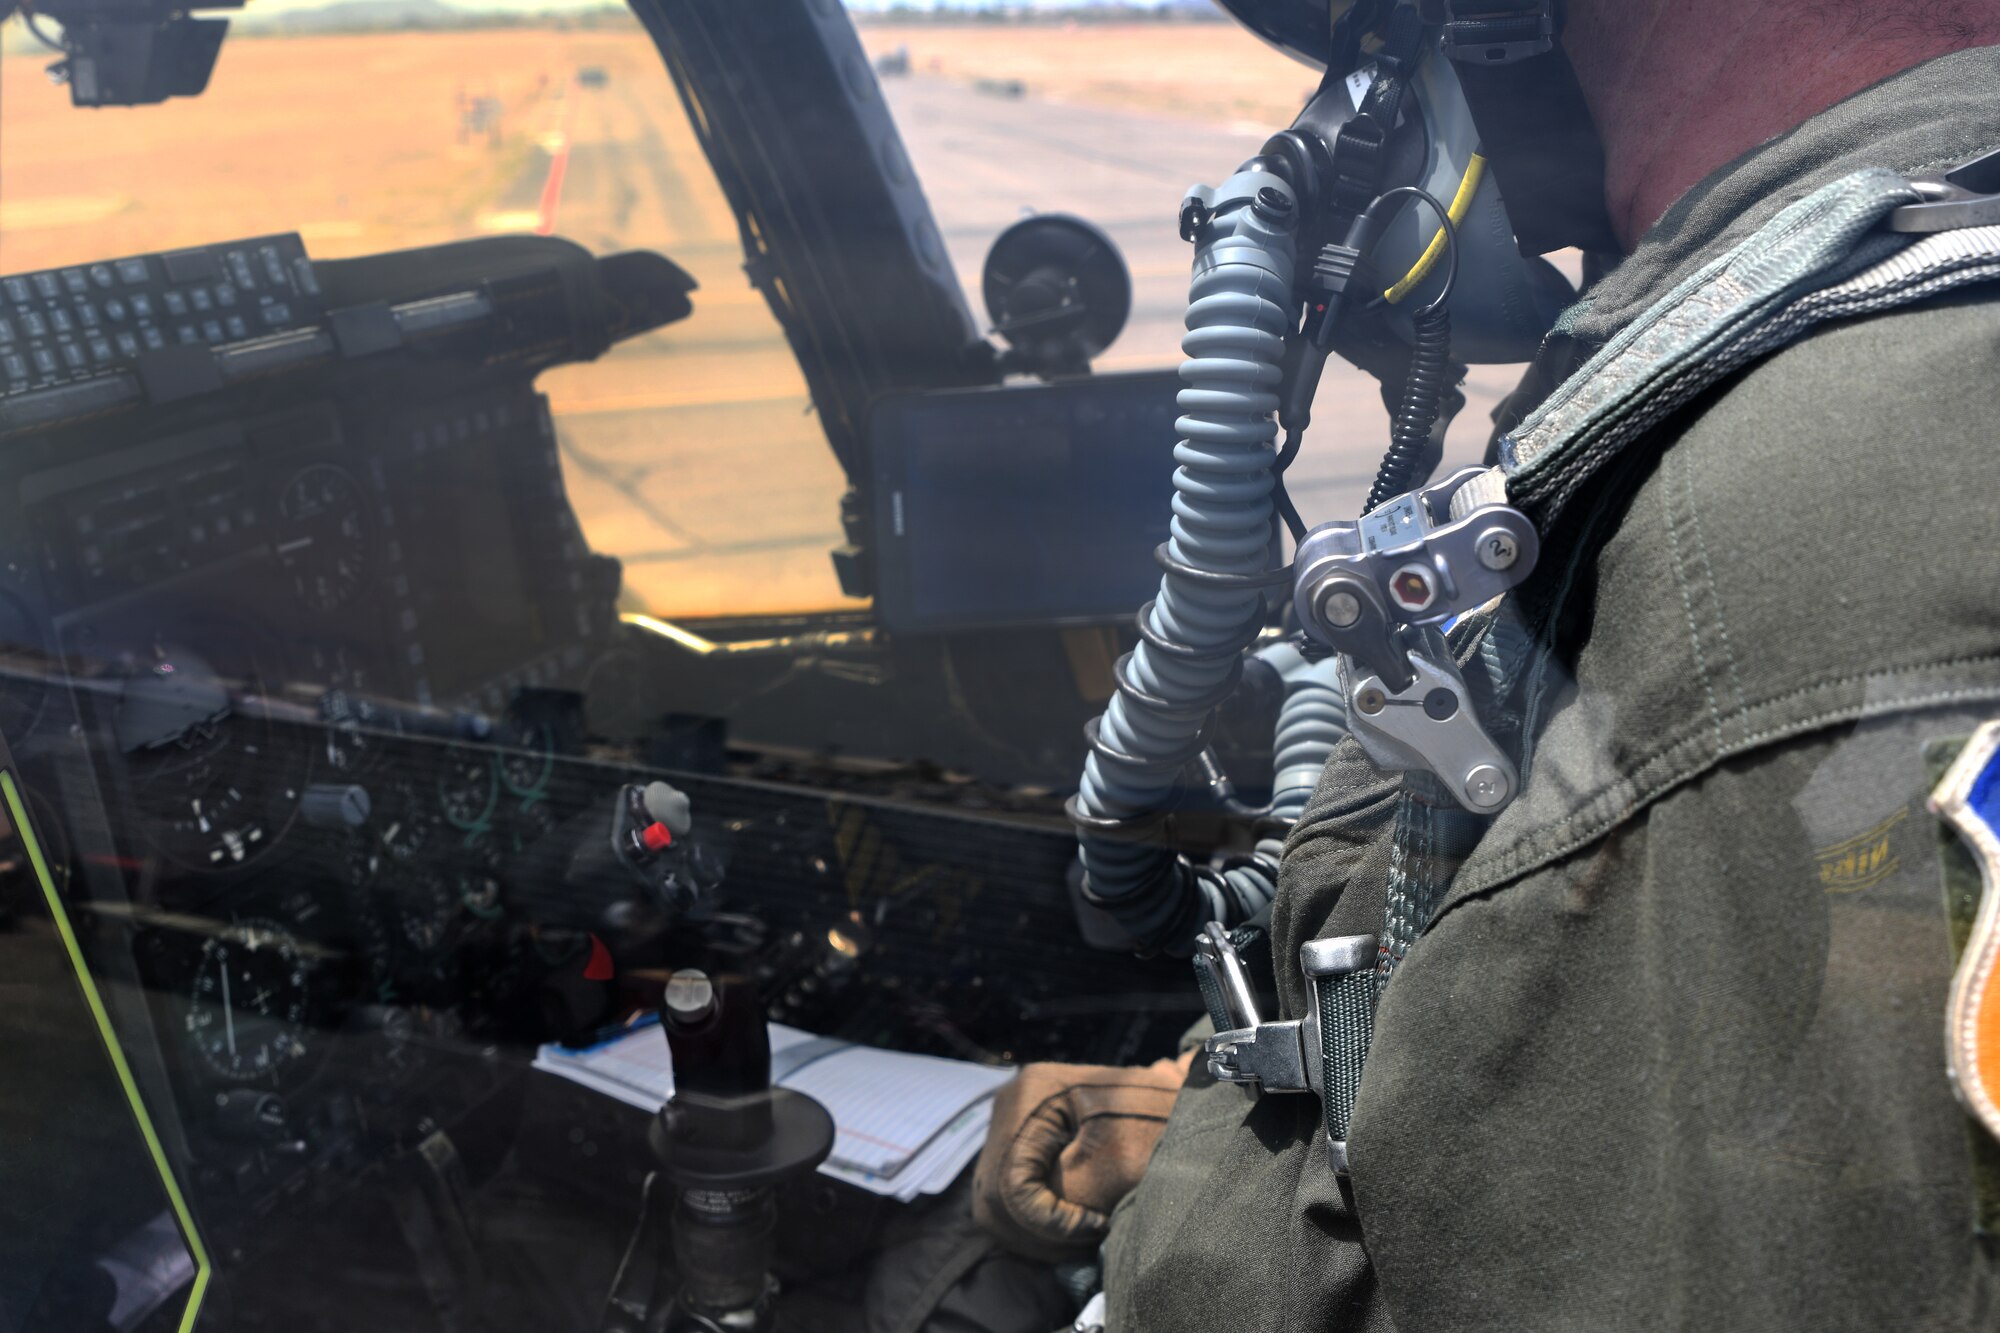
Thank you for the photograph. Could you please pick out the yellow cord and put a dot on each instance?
(1461, 204)
(17, 812)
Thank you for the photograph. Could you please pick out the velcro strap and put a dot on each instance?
(1516, 28)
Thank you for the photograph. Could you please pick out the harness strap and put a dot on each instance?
(1346, 1028)
(1825, 257)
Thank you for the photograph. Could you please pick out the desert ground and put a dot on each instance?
(692, 453)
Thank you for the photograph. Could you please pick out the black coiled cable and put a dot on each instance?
(1413, 455)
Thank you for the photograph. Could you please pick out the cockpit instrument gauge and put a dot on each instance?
(469, 786)
(217, 782)
(247, 1014)
(361, 858)
(475, 876)
(408, 827)
(527, 759)
(422, 904)
(324, 546)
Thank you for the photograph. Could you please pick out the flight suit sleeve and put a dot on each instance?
(1696, 1068)
(1239, 1222)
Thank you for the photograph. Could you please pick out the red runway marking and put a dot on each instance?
(545, 212)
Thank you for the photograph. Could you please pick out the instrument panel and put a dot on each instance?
(295, 670)
(270, 603)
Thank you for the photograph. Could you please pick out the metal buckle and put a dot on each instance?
(1287, 1056)
(1966, 196)
(1249, 1050)
(1271, 1055)
(1421, 558)
(1374, 590)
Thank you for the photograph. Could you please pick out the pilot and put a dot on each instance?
(1664, 1046)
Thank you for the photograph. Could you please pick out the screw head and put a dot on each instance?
(1486, 786)
(1339, 607)
(1413, 588)
(1370, 701)
(1497, 549)
(690, 994)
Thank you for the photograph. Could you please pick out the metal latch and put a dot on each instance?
(1966, 196)
(1245, 1048)
(1430, 725)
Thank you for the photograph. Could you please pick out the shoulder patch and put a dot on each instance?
(1968, 798)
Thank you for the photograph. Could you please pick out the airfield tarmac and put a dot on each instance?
(691, 454)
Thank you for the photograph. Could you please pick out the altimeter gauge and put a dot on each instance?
(247, 1011)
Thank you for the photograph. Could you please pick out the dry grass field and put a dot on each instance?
(351, 140)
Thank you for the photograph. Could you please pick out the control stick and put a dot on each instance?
(725, 1143)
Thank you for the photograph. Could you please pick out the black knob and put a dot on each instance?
(245, 1115)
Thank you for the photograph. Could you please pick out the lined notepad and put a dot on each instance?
(904, 1125)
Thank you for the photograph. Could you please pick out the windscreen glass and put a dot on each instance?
(621, 624)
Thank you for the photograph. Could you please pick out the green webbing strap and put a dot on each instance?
(1346, 1026)
(1211, 995)
(1824, 258)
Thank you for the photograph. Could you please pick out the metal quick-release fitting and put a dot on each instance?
(1377, 590)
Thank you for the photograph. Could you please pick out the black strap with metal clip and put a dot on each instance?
(1322, 1053)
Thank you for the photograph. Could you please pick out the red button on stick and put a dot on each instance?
(657, 837)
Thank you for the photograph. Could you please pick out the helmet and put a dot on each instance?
(1534, 129)
(1493, 126)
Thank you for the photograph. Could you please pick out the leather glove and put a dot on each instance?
(1067, 1143)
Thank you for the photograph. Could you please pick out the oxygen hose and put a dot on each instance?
(1216, 565)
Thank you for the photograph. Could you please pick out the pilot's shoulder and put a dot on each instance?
(1882, 420)
(1833, 514)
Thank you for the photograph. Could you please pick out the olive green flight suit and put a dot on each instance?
(1670, 1054)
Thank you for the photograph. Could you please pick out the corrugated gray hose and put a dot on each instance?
(1210, 605)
